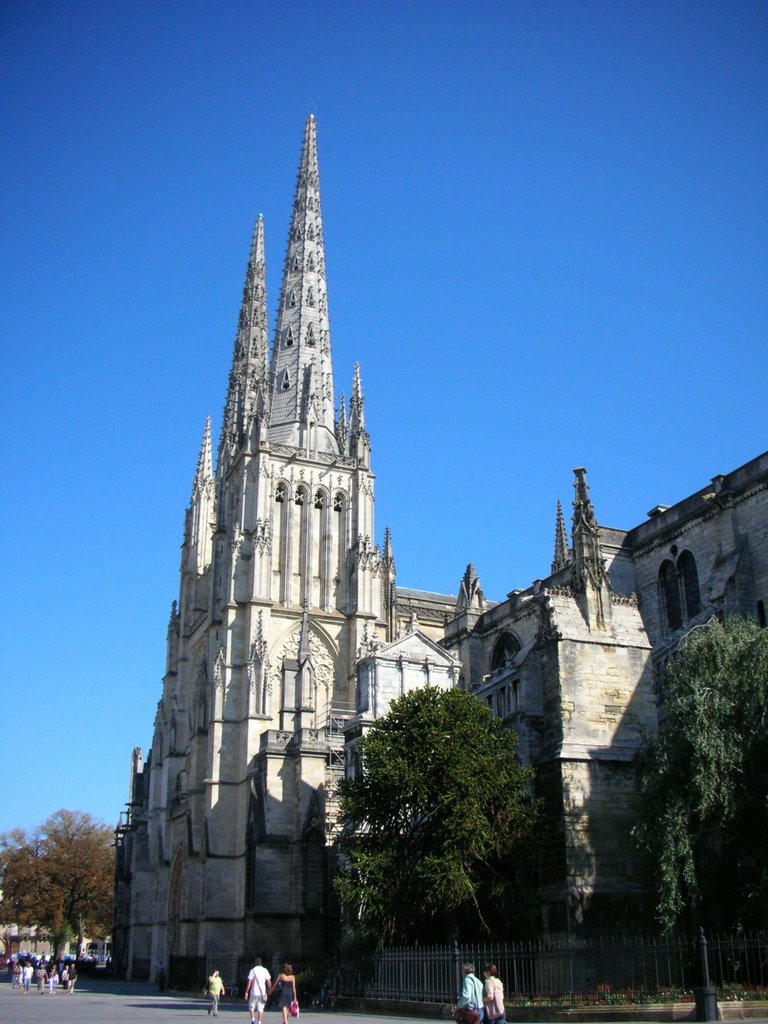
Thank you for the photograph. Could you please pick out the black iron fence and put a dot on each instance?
(635, 970)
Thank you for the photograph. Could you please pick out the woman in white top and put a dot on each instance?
(493, 994)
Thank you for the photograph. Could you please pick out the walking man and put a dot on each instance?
(257, 990)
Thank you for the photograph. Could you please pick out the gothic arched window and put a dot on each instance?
(670, 594)
(289, 337)
(689, 580)
(301, 496)
(505, 651)
(311, 297)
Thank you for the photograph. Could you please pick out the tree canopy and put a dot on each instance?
(59, 877)
(703, 782)
(434, 823)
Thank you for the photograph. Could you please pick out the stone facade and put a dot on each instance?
(290, 637)
(575, 665)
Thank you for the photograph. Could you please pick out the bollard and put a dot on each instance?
(705, 995)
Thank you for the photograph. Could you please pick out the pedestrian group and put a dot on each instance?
(48, 974)
(258, 990)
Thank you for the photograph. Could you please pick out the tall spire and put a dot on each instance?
(248, 389)
(359, 439)
(357, 404)
(302, 406)
(562, 554)
(204, 471)
(342, 431)
(200, 515)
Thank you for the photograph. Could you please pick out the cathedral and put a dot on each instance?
(290, 636)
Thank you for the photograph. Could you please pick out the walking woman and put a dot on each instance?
(215, 991)
(287, 982)
(493, 995)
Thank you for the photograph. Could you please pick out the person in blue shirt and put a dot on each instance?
(471, 997)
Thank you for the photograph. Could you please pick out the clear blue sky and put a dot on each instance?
(546, 245)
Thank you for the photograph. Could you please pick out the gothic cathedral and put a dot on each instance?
(290, 636)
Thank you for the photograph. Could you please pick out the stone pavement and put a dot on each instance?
(106, 1001)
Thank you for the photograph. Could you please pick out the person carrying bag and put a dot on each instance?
(469, 1008)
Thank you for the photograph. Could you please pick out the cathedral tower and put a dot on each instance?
(280, 581)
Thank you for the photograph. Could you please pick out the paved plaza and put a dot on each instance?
(106, 1001)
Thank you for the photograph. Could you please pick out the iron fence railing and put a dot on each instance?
(607, 970)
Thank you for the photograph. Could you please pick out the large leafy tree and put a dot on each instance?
(703, 782)
(435, 823)
(59, 877)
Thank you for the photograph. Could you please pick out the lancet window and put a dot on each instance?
(280, 543)
(340, 552)
(689, 582)
(679, 589)
(670, 594)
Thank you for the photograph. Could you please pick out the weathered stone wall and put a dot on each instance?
(725, 527)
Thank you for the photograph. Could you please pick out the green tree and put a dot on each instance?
(435, 824)
(59, 877)
(703, 782)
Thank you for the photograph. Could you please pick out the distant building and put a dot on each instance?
(290, 637)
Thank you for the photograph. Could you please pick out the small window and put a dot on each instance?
(301, 496)
(338, 503)
(310, 336)
(295, 264)
(289, 337)
(311, 297)
(311, 233)
(292, 298)
(286, 381)
(310, 262)
(319, 500)
(280, 493)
